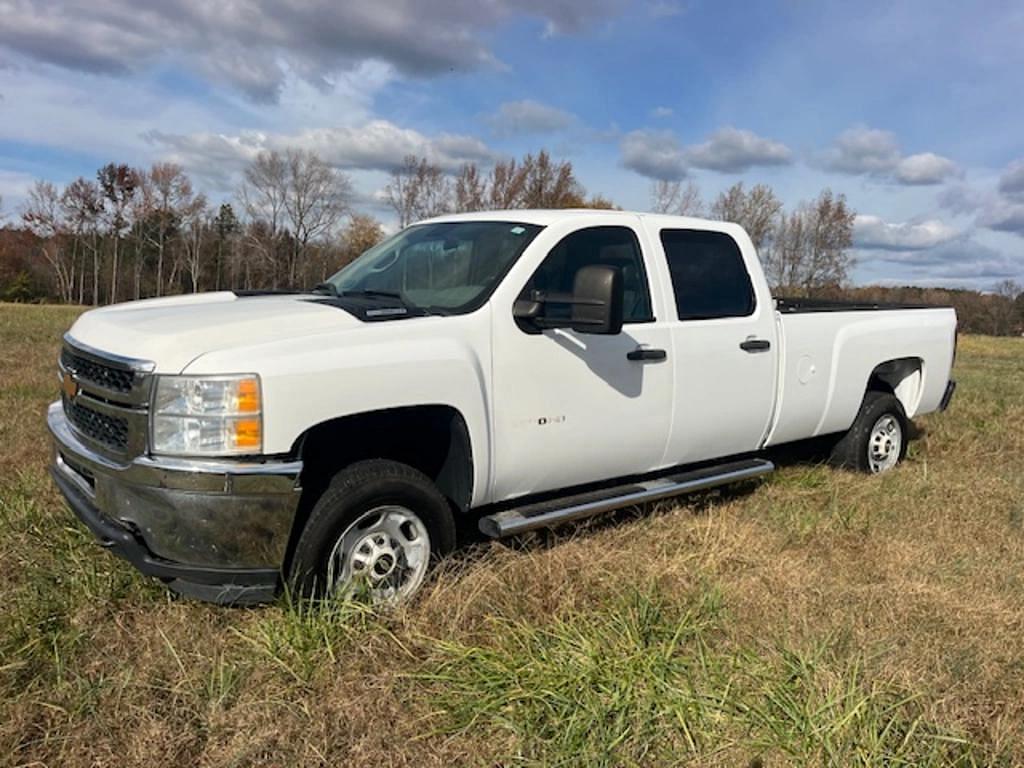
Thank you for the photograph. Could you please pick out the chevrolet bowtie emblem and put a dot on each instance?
(69, 385)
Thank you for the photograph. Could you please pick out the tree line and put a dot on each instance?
(131, 233)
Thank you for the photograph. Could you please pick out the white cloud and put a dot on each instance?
(962, 198)
(658, 154)
(14, 188)
(1003, 216)
(863, 150)
(377, 145)
(110, 120)
(655, 154)
(868, 151)
(1011, 183)
(661, 112)
(964, 262)
(925, 168)
(254, 44)
(732, 150)
(518, 118)
(874, 232)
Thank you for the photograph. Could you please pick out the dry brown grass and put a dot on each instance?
(820, 618)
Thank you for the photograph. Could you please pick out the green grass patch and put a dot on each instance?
(653, 679)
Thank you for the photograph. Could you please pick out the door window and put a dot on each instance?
(709, 278)
(608, 246)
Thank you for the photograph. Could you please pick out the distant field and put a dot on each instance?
(821, 618)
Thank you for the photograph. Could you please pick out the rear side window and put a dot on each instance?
(709, 278)
(610, 246)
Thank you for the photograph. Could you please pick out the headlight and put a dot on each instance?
(207, 415)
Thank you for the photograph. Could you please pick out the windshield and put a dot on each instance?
(450, 267)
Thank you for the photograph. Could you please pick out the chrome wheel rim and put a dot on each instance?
(384, 553)
(885, 444)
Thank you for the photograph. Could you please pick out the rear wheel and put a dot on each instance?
(877, 441)
(375, 530)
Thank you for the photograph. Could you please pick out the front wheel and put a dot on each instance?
(877, 441)
(376, 529)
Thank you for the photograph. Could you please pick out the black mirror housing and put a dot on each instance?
(597, 300)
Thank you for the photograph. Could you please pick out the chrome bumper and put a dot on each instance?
(216, 530)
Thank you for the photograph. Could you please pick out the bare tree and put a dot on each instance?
(549, 184)
(118, 183)
(810, 247)
(675, 198)
(262, 197)
(756, 210)
(1008, 289)
(470, 189)
(1006, 306)
(167, 196)
(506, 185)
(316, 197)
(83, 206)
(418, 189)
(194, 226)
(43, 215)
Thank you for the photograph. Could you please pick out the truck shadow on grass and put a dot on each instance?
(808, 453)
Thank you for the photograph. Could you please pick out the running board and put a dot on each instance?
(550, 513)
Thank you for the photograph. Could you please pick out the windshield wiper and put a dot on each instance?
(371, 293)
(326, 288)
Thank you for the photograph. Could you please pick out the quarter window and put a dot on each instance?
(608, 246)
(709, 278)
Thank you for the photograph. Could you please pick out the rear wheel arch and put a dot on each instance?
(901, 377)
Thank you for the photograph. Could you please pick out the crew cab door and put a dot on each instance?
(723, 343)
(570, 407)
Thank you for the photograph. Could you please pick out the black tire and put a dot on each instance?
(853, 449)
(352, 493)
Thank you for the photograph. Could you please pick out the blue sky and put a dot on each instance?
(911, 109)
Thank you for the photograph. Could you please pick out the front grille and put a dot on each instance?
(111, 431)
(86, 370)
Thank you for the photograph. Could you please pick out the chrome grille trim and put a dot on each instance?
(111, 410)
(102, 370)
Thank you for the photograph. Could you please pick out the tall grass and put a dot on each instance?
(819, 618)
(654, 679)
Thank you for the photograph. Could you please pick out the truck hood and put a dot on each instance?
(173, 331)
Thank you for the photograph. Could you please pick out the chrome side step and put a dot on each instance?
(550, 513)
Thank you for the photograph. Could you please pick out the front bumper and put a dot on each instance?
(214, 530)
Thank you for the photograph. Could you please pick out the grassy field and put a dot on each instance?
(821, 618)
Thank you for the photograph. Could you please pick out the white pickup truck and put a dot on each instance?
(522, 367)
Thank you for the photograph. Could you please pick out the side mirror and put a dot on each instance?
(597, 299)
(596, 304)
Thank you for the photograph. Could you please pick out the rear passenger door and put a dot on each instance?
(723, 345)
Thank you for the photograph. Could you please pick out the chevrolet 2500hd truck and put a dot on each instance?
(522, 367)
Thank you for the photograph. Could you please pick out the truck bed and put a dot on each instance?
(830, 352)
(797, 306)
